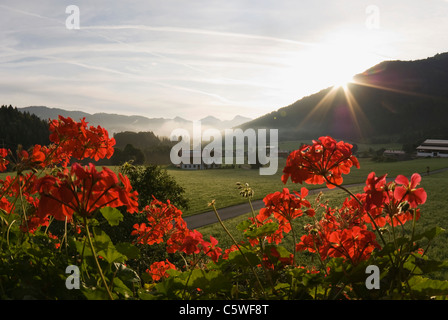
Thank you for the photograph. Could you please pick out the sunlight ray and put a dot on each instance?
(375, 86)
(356, 112)
(322, 107)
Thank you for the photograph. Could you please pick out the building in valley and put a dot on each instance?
(433, 148)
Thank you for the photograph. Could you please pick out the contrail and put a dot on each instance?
(31, 14)
(91, 29)
(200, 32)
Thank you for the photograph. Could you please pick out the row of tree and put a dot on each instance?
(141, 148)
(22, 128)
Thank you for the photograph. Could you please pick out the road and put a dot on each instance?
(207, 218)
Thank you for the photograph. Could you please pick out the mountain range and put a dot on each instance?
(115, 123)
(394, 101)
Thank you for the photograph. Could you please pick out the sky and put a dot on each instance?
(195, 58)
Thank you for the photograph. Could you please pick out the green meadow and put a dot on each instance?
(202, 186)
(433, 213)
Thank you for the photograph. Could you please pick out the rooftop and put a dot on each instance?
(435, 142)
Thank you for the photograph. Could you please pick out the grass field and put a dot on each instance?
(293, 145)
(202, 186)
(433, 213)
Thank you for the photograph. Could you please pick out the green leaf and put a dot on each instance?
(425, 287)
(244, 225)
(170, 288)
(121, 288)
(128, 249)
(424, 265)
(126, 274)
(238, 259)
(112, 215)
(276, 253)
(105, 248)
(429, 234)
(96, 293)
(82, 247)
(210, 281)
(262, 231)
(144, 295)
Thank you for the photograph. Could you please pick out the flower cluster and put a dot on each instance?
(163, 220)
(63, 192)
(284, 207)
(23, 186)
(340, 233)
(349, 231)
(344, 232)
(165, 224)
(3, 159)
(158, 270)
(83, 190)
(323, 161)
(392, 203)
(78, 140)
(32, 159)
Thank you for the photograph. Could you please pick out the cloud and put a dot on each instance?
(192, 58)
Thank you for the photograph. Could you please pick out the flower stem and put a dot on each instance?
(252, 209)
(96, 260)
(238, 247)
(295, 242)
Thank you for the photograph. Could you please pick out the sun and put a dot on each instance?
(343, 55)
(343, 82)
(345, 64)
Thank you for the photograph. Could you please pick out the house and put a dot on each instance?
(394, 154)
(193, 164)
(433, 148)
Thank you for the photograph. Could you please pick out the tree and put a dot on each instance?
(22, 128)
(153, 181)
(149, 181)
(130, 153)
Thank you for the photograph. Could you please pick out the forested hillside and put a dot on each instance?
(394, 101)
(23, 128)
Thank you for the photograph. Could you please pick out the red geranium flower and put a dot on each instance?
(355, 244)
(211, 249)
(375, 190)
(78, 140)
(284, 205)
(323, 161)
(3, 161)
(5, 205)
(163, 219)
(408, 190)
(158, 269)
(191, 242)
(83, 190)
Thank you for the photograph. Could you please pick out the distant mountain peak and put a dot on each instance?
(208, 118)
(120, 123)
(180, 119)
